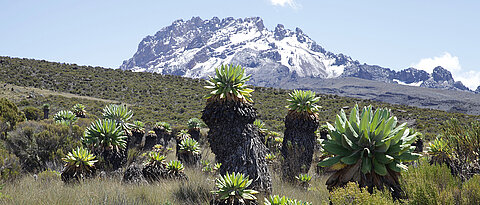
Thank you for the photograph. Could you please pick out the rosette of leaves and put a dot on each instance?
(440, 151)
(195, 123)
(79, 110)
(79, 165)
(138, 126)
(260, 125)
(232, 189)
(189, 152)
(154, 168)
(120, 114)
(229, 84)
(189, 145)
(303, 101)
(105, 134)
(194, 126)
(304, 180)
(163, 126)
(175, 169)
(370, 148)
(277, 200)
(65, 117)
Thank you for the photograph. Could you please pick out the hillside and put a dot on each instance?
(155, 97)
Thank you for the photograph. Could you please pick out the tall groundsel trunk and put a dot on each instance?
(298, 143)
(233, 138)
(236, 142)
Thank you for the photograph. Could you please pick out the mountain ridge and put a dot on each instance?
(195, 47)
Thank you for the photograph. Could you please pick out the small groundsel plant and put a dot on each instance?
(119, 113)
(155, 159)
(79, 110)
(260, 125)
(79, 164)
(370, 147)
(277, 200)
(175, 167)
(303, 101)
(440, 151)
(164, 126)
(189, 145)
(105, 134)
(195, 123)
(138, 126)
(65, 117)
(232, 189)
(304, 180)
(229, 84)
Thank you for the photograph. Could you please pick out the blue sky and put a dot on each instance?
(393, 34)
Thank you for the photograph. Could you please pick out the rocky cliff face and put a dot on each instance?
(194, 48)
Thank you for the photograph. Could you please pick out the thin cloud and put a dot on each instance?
(283, 3)
(469, 78)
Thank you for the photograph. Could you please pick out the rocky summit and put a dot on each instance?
(194, 48)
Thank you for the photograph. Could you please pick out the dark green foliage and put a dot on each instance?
(10, 166)
(458, 147)
(42, 144)
(9, 115)
(430, 184)
(32, 113)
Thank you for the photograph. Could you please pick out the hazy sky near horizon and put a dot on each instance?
(392, 34)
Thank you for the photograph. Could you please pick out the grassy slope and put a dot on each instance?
(155, 97)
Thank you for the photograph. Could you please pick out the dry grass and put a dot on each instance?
(112, 191)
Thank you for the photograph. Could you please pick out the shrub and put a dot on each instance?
(430, 184)
(48, 176)
(39, 145)
(471, 191)
(10, 166)
(352, 194)
(9, 114)
(32, 113)
(229, 84)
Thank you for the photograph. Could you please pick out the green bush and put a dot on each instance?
(471, 191)
(48, 176)
(10, 167)
(9, 115)
(430, 184)
(40, 145)
(32, 113)
(353, 194)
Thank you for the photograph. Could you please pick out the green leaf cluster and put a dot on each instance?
(233, 188)
(80, 159)
(303, 101)
(65, 117)
(105, 134)
(277, 200)
(189, 145)
(370, 138)
(175, 167)
(229, 84)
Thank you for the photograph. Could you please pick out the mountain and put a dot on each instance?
(194, 48)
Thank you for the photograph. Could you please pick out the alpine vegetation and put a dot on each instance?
(233, 138)
(369, 148)
(299, 142)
